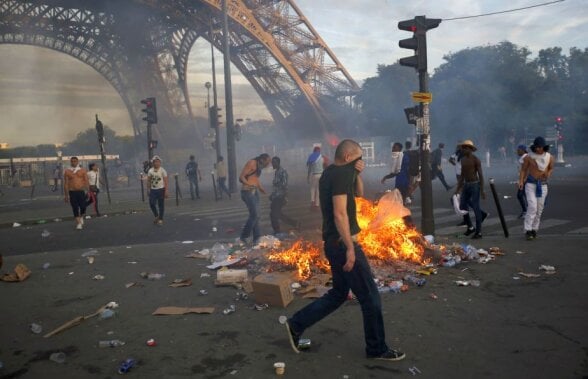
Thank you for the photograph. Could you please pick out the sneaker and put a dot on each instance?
(477, 236)
(159, 222)
(470, 231)
(534, 233)
(79, 226)
(390, 355)
(293, 338)
(156, 220)
(529, 235)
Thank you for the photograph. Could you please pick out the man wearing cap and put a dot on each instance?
(472, 183)
(158, 185)
(521, 197)
(536, 170)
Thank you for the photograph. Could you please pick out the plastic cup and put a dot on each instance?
(280, 368)
(58, 357)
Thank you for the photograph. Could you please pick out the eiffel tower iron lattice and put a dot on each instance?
(141, 47)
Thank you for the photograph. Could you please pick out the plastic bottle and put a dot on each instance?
(126, 366)
(415, 280)
(36, 328)
(107, 313)
(155, 276)
(111, 343)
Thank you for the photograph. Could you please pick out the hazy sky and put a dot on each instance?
(48, 97)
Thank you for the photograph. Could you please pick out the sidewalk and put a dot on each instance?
(504, 328)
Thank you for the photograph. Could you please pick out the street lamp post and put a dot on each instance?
(217, 144)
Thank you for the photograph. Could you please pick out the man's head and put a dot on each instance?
(408, 145)
(93, 167)
(192, 157)
(521, 150)
(264, 160)
(347, 151)
(74, 161)
(220, 158)
(316, 149)
(396, 147)
(441, 145)
(276, 163)
(156, 161)
(468, 147)
(539, 145)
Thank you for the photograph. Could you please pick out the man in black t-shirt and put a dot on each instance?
(338, 186)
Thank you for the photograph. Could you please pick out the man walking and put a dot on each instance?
(279, 199)
(221, 174)
(158, 185)
(472, 183)
(193, 174)
(436, 169)
(536, 170)
(413, 170)
(339, 185)
(251, 186)
(315, 164)
(75, 185)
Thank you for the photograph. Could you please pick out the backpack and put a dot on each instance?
(413, 162)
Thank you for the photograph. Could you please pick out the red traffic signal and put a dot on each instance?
(150, 110)
(418, 42)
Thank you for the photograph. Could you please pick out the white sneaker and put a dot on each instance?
(81, 221)
(79, 226)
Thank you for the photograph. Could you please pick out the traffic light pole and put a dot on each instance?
(101, 140)
(427, 220)
(149, 144)
(217, 143)
(231, 153)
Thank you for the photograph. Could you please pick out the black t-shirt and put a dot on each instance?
(337, 180)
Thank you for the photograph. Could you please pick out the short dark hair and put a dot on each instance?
(263, 156)
(192, 157)
(408, 145)
(91, 165)
(397, 145)
(276, 159)
(76, 158)
(345, 146)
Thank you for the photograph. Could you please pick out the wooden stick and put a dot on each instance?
(75, 322)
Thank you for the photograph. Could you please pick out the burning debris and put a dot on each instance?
(385, 237)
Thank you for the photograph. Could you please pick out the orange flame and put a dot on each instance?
(390, 240)
(304, 256)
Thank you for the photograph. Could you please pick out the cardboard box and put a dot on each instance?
(273, 289)
(231, 276)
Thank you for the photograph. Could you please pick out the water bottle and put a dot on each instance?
(107, 313)
(111, 343)
(126, 366)
(155, 276)
(415, 280)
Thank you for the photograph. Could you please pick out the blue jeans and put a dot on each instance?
(470, 198)
(157, 197)
(361, 282)
(194, 187)
(251, 199)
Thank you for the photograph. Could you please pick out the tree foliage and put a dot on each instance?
(496, 95)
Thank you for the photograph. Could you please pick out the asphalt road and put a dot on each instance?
(506, 328)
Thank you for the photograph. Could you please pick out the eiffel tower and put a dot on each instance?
(141, 47)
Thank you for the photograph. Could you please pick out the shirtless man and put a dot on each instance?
(536, 170)
(472, 183)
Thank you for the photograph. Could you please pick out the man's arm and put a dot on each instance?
(389, 176)
(165, 184)
(549, 169)
(359, 166)
(459, 184)
(342, 224)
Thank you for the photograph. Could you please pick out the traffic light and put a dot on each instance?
(418, 42)
(559, 123)
(150, 110)
(214, 116)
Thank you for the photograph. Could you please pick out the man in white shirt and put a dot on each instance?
(158, 185)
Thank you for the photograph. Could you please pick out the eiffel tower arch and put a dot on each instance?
(141, 47)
